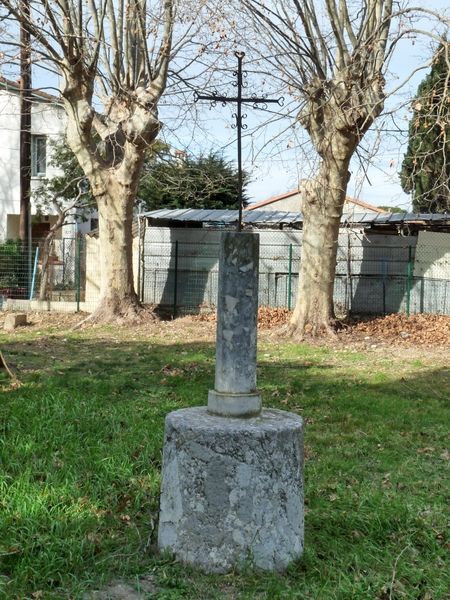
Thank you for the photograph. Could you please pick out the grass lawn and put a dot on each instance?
(80, 458)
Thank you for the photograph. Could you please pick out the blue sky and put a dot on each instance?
(275, 161)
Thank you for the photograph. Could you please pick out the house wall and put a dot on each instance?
(9, 157)
(47, 119)
(291, 204)
(13, 224)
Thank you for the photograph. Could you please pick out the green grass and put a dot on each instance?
(80, 457)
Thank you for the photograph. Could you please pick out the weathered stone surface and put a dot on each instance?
(235, 391)
(232, 489)
(14, 320)
(234, 405)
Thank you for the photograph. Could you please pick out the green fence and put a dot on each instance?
(178, 272)
(52, 272)
(373, 276)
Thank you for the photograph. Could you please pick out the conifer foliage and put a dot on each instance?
(207, 181)
(426, 166)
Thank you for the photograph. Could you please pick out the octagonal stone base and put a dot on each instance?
(232, 489)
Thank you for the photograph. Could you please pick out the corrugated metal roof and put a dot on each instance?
(269, 217)
(223, 216)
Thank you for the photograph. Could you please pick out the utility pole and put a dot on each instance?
(25, 124)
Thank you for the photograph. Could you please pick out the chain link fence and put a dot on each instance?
(377, 274)
(48, 271)
(176, 270)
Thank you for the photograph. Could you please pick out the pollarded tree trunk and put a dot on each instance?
(113, 59)
(118, 299)
(333, 56)
(114, 179)
(322, 210)
(117, 296)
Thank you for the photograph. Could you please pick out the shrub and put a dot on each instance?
(12, 263)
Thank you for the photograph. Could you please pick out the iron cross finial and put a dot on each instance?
(239, 100)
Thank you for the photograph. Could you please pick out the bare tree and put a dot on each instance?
(334, 56)
(113, 59)
(65, 211)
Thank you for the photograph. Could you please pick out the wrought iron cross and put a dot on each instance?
(239, 100)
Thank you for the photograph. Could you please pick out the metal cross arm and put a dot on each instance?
(239, 100)
(214, 98)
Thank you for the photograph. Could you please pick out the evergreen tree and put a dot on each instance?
(206, 181)
(426, 166)
(71, 186)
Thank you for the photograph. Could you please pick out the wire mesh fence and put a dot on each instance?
(376, 275)
(45, 270)
(15, 269)
(177, 271)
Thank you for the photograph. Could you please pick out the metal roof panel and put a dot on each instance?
(269, 217)
(155, 214)
(382, 218)
(362, 217)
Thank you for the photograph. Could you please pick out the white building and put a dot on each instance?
(48, 123)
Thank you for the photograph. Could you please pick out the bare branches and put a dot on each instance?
(49, 52)
(336, 64)
(338, 27)
(333, 56)
(163, 59)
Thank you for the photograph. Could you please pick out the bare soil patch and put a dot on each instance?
(44, 320)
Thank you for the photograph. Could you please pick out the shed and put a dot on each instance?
(375, 270)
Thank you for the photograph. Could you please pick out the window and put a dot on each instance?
(38, 155)
(94, 224)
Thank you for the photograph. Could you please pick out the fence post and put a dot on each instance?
(33, 278)
(175, 282)
(409, 281)
(142, 259)
(64, 260)
(78, 272)
(142, 278)
(349, 289)
(290, 278)
(384, 271)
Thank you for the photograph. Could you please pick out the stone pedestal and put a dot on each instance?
(235, 393)
(232, 489)
(14, 320)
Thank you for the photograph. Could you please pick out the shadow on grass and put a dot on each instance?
(81, 455)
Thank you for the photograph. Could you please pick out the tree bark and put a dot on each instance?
(45, 254)
(114, 180)
(322, 210)
(118, 299)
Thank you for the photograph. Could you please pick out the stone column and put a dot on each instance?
(234, 393)
(232, 480)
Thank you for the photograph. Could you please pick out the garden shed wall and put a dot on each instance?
(374, 272)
